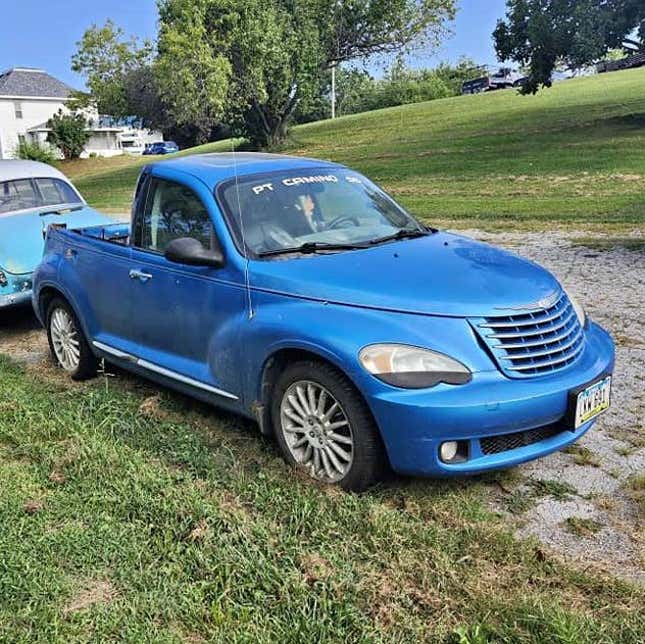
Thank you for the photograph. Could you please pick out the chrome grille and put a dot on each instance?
(534, 343)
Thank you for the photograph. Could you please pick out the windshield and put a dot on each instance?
(25, 194)
(311, 208)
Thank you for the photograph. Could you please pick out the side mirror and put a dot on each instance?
(187, 250)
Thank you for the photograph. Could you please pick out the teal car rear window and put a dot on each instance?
(24, 194)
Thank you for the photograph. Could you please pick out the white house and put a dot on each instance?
(30, 97)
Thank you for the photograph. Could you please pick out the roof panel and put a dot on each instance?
(216, 167)
(25, 82)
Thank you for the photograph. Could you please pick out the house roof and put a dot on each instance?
(43, 127)
(29, 82)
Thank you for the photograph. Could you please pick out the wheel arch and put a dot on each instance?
(275, 363)
(45, 297)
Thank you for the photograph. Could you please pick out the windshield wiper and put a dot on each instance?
(310, 247)
(404, 233)
(60, 211)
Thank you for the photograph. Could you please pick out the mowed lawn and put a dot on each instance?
(129, 515)
(572, 156)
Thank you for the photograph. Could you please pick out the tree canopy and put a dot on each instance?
(248, 63)
(106, 57)
(541, 33)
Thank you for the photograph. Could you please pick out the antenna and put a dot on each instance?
(247, 277)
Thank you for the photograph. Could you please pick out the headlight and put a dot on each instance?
(3, 279)
(578, 308)
(401, 365)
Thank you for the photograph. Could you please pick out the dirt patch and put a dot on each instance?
(95, 591)
(21, 336)
(315, 568)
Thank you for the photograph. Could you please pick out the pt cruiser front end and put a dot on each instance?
(309, 300)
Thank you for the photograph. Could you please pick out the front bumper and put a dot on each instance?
(414, 423)
(15, 299)
(18, 290)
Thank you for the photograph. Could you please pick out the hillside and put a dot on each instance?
(572, 155)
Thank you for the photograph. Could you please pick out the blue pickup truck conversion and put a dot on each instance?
(297, 293)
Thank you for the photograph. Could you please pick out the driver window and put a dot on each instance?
(173, 211)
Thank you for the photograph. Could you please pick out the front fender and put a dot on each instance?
(337, 333)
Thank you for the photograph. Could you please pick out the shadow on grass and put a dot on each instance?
(17, 320)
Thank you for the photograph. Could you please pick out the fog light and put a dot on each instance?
(448, 451)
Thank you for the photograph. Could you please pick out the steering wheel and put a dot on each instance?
(335, 223)
(277, 235)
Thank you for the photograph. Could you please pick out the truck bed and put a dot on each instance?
(114, 233)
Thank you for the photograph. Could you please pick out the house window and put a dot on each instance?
(18, 110)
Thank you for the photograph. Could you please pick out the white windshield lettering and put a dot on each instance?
(297, 181)
(257, 190)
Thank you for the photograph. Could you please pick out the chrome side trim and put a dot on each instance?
(115, 352)
(185, 379)
(150, 366)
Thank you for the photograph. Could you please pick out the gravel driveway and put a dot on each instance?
(579, 502)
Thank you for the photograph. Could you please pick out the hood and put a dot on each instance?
(21, 236)
(442, 274)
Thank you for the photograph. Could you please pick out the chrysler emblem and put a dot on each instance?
(544, 303)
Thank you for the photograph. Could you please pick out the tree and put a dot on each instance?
(257, 61)
(122, 77)
(106, 58)
(68, 132)
(541, 33)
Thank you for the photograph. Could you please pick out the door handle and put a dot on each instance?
(140, 275)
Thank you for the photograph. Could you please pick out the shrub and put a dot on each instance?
(68, 132)
(35, 152)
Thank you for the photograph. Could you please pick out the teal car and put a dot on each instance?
(32, 196)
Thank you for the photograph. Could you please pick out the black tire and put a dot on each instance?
(87, 363)
(369, 462)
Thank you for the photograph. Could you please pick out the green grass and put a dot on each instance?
(582, 526)
(636, 244)
(137, 518)
(635, 488)
(572, 156)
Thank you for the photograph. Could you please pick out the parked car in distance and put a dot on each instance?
(503, 78)
(132, 142)
(32, 196)
(161, 147)
(298, 293)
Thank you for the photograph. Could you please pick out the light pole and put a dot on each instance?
(333, 90)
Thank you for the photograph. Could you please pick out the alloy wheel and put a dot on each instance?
(317, 431)
(65, 340)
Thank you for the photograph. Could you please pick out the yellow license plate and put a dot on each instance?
(592, 400)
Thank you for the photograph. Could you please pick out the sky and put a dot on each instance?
(44, 33)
